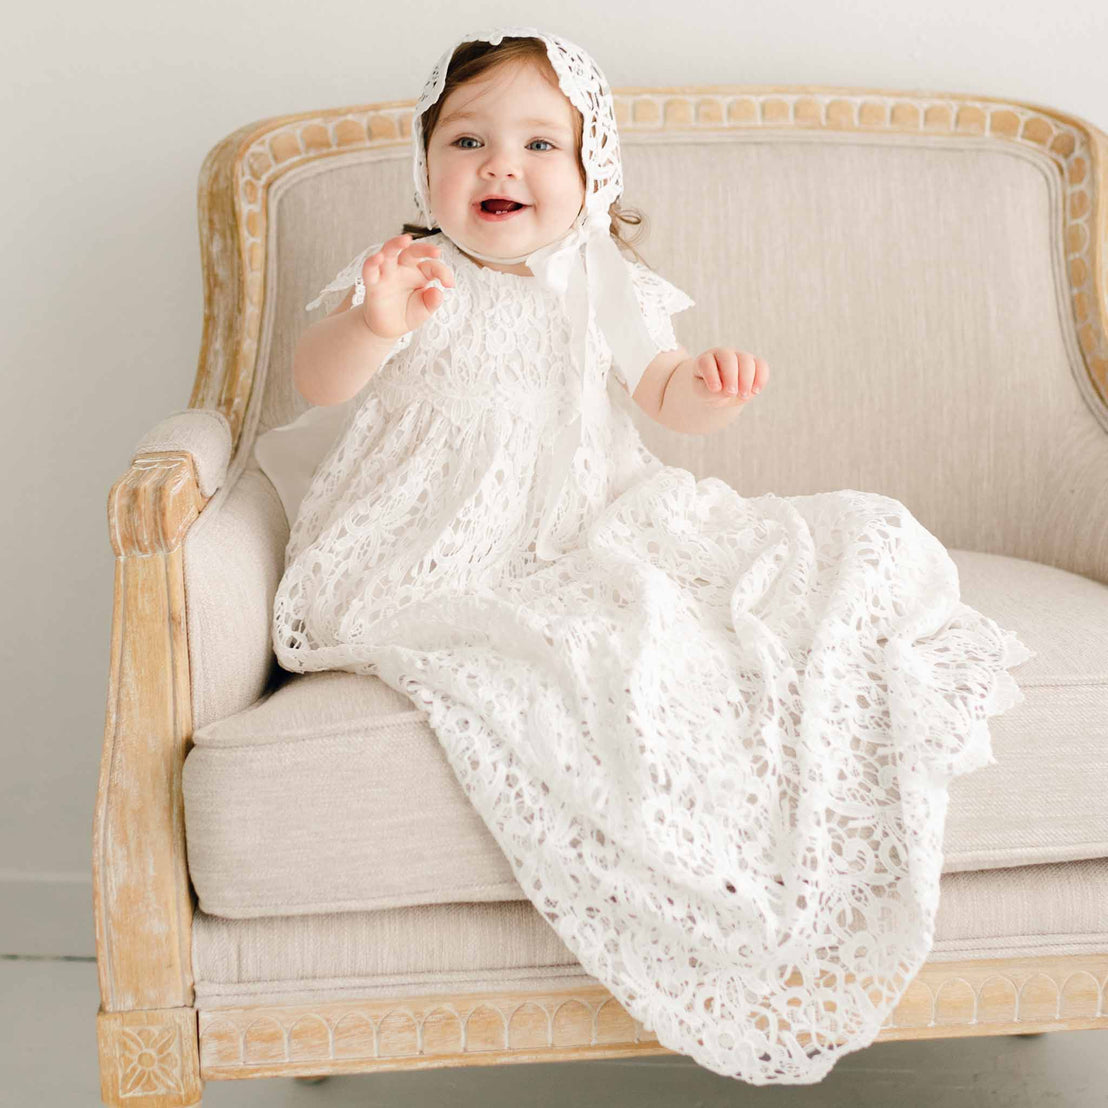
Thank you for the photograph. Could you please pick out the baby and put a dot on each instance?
(507, 135)
(699, 725)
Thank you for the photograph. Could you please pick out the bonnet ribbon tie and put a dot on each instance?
(601, 276)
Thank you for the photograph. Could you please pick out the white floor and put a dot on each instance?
(48, 1060)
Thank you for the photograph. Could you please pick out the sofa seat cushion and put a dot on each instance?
(332, 793)
(1019, 912)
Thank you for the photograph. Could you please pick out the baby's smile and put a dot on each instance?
(500, 210)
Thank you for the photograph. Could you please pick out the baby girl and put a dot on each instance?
(710, 733)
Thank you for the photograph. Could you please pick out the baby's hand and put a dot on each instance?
(396, 299)
(729, 376)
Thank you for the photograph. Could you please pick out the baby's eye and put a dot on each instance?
(469, 138)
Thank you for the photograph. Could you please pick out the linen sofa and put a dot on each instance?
(288, 880)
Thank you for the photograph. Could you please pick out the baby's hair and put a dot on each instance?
(472, 60)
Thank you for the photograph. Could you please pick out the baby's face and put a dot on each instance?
(515, 138)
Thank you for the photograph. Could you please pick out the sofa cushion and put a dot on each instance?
(1023, 912)
(333, 794)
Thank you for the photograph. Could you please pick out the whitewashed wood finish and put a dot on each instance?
(142, 900)
(149, 1058)
(989, 997)
(155, 1049)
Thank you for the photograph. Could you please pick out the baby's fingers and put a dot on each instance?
(432, 268)
(371, 268)
(380, 266)
(761, 376)
(720, 370)
(708, 371)
(388, 253)
(432, 297)
(747, 368)
(398, 243)
(397, 257)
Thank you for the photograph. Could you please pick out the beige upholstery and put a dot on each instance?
(334, 794)
(910, 295)
(475, 947)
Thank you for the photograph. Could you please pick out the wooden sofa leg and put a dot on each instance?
(149, 1058)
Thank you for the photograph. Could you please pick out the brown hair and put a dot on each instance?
(472, 60)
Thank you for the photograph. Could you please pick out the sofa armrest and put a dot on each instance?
(203, 433)
(195, 575)
(233, 554)
(234, 558)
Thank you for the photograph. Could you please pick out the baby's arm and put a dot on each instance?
(695, 395)
(338, 355)
(699, 395)
(651, 388)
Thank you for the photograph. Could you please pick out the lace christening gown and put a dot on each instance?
(713, 738)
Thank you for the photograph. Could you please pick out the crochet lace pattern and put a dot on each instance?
(713, 740)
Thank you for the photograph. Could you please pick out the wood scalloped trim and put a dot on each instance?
(944, 1000)
(238, 172)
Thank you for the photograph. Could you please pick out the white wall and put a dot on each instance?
(108, 112)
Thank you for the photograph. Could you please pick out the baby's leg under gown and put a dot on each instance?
(714, 743)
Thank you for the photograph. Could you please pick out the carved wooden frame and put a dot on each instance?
(155, 1048)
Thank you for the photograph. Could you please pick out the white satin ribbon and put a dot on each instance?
(598, 275)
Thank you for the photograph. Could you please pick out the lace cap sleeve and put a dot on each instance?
(658, 301)
(351, 274)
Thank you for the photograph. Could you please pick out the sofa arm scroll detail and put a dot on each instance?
(203, 433)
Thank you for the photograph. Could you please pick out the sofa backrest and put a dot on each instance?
(909, 266)
(924, 273)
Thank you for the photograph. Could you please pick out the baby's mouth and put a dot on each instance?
(499, 210)
(497, 206)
